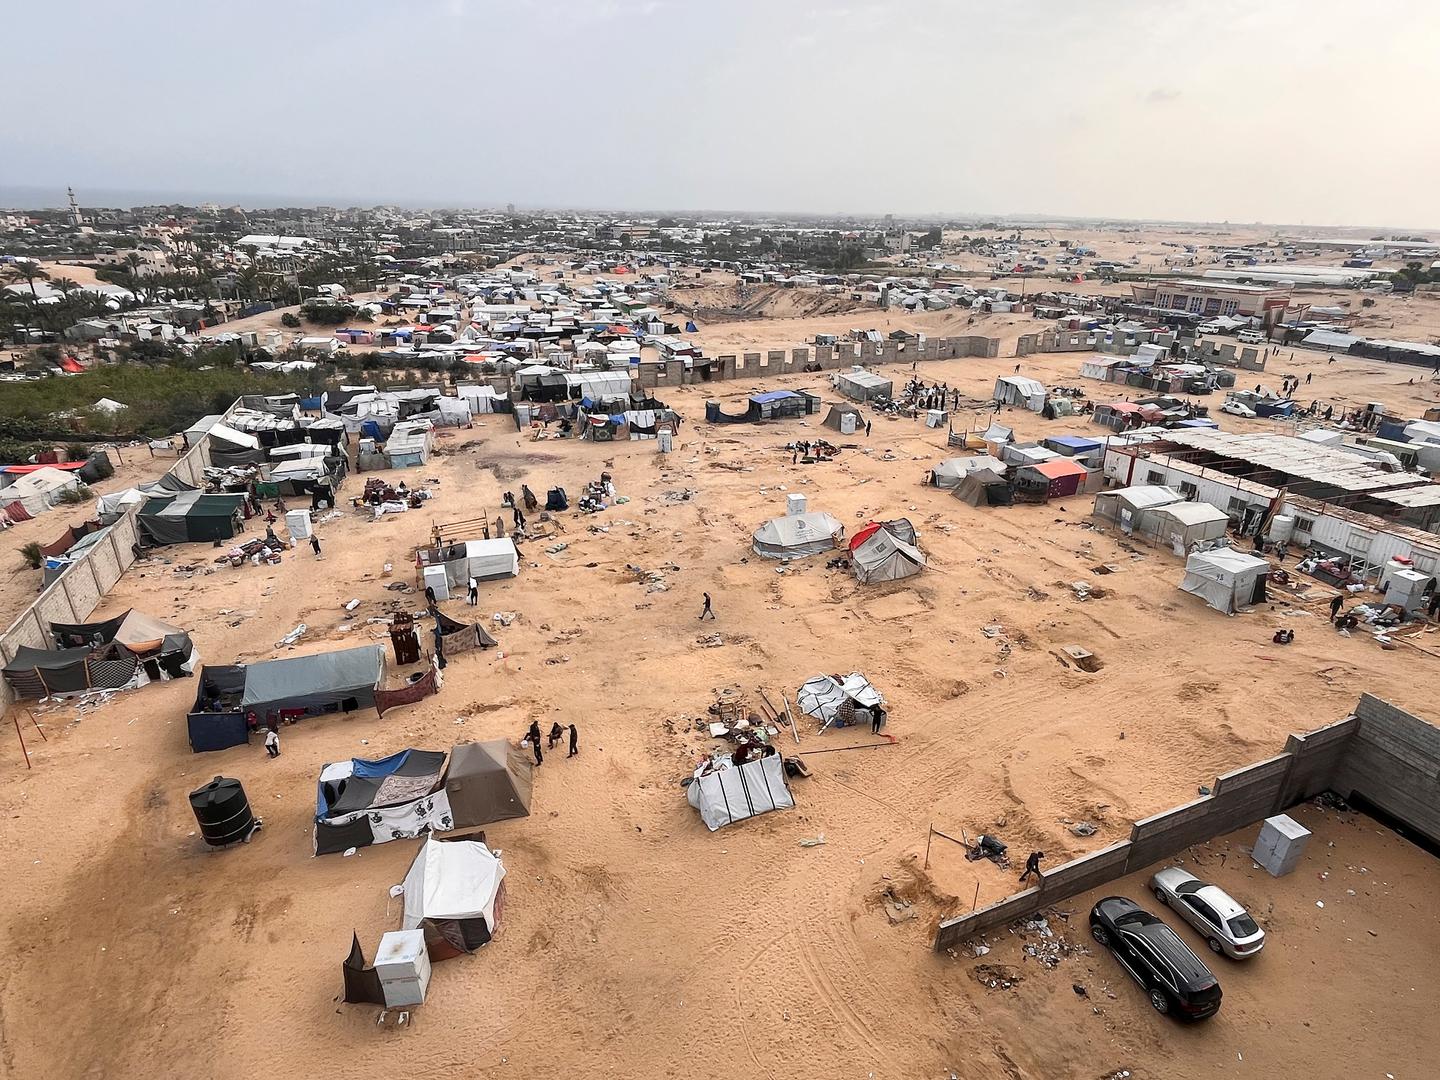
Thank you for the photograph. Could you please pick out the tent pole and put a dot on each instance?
(21, 737)
(38, 728)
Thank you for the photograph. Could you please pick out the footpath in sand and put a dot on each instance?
(637, 944)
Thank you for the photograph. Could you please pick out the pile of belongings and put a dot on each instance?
(598, 495)
(261, 550)
(384, 498)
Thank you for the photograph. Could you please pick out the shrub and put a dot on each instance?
(33, 556)
(76, 496)
(291, 320)
(76, 451)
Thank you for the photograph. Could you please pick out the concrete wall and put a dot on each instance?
(1402, 760)
(1394, 762)
(753, 365)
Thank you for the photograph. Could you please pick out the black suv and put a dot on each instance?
(1175, 978)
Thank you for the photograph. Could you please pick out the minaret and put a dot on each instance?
(75, 218)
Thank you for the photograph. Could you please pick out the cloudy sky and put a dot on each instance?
(1287, 111)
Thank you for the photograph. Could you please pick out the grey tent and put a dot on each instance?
(845, 419)
(984, 488)
(488, 781)
(950, 472)
(796, 536)
(323, 682)
(1226, 579)
(885, 555)
(860, 385)
(38, 673)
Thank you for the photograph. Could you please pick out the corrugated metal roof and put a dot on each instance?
(1297, 458)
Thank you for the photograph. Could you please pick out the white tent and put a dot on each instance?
(883, 556)
(796, 536)
(860, 385)
(452, 879)
(237, 438)
(117, 502)
(38, 491)
(492, 558)
(725, 793)
(1018, 390)
(1226, 579)
(1182, 525)
(821, 697)
(948, 474)
(1124, 505)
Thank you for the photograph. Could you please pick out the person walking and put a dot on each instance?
(707, 609)
(272, 743)
(1032, 866)
(574, 742)
(519, 519)
(1308, 376)
(474, 591)
(534, 736)
(1335, 605)
(315, 546)
(867, 429)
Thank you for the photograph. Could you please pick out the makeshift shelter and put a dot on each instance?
(484, 560)
(1018, 390)
(1123, 506)
(948, 474)
(857, 384)
(884, 552)
(454, 891)
(361, 802)
(1052, 479)
(215, 721)
(340, 681)
(166, 651)
(797, 536)
(117, 502)
(458, 637)
(1183, 525)
(984, 487)
(487, 782)
(839, 702)
(1226, 579)
(846, 419)
(37, 491)
(38, 673)
(190, 517)
(725, 793)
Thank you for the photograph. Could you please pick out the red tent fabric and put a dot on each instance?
(21, 470)
(70, 364)
(863, 534)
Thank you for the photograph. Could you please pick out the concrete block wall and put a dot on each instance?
(1394, 762)
(1315, 757)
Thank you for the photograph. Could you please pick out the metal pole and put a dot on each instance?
(976, 901)
(928, 837)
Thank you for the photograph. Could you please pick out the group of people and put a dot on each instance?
(933, 396)
(557, 732)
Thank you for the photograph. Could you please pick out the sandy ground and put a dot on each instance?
(635, 943)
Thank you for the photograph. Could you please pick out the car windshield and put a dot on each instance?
(1243, 926)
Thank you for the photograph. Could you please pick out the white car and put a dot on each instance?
(1251, 337)
(1238, 408)
(1226, 926)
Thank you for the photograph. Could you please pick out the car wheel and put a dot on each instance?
(1216, 947)
(1099, 934)
(1160, 895)
(1159, 1001)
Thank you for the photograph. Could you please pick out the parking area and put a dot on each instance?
(1345, 986)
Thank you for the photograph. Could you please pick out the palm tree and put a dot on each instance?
(27, 271)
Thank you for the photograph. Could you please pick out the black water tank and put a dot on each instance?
(222, 811)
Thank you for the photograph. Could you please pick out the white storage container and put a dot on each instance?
(404, 967)
(435, 579)
(298, 524)
(1280, 845)
(794, 504)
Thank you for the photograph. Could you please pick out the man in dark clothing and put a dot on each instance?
(1032, 866)
(1434, 609)
(574, 741)
(534, 736)
(519, 519)
(867, 429)
(556, 733)
(1335, 605)
(706, 610)
(877, 720)
(315, 545)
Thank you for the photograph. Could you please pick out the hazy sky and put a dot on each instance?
(1293, 111)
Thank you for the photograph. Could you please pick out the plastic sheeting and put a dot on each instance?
(822, 696)
(725, 793)
(797, 536)
(319, 679)
(452, 879)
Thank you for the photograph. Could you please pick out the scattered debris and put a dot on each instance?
(811, 841)
(1084, 828)
(505, 618)
(292, 637)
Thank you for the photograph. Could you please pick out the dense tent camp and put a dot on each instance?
(845, 419)
(950, 472)
(838, 701)
(885, 551)
(455, 892)
(488, 781)
(190, 517)
(984, 488)
(1225, 579)
(360, 802)
(796, 536)
(725, 792)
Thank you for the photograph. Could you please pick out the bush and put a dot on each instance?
(76, 496)
(76, 451)
(328, 313)
(291, 320)
(33, 556)
(363, 316)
